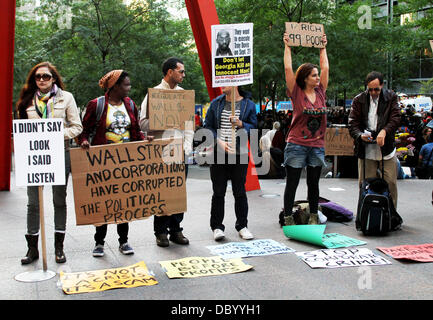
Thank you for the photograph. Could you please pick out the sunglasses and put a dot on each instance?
(373, 89)
(44, 77)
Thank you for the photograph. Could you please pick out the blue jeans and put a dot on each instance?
(298, 156)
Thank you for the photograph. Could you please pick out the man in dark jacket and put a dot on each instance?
(373, 121)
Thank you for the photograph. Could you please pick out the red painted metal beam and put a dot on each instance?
(7, 36)
(202, 15)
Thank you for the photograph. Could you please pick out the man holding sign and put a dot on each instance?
(174, 73)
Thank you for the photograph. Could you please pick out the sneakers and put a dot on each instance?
(126, 249)
(246, 234)
(98, 251)
(218, 234)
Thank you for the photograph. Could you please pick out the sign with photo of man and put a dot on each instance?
(232, 54)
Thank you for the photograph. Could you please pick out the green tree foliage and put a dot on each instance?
(87, 38)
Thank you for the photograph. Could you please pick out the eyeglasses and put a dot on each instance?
(374, 89)
(44, 77)
(180, 71)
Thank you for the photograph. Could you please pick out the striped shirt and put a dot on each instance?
(226, 126)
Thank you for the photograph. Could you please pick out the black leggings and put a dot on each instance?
(292, 180)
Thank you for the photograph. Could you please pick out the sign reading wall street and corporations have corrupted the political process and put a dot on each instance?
(120, 183)
(232, 54)
(39, 152)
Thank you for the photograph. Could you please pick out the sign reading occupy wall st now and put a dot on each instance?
(120, 183)
(171, 109)
(39, 152)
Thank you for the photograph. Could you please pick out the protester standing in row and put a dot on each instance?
(306, 140)
(43, 97)
(426, 156)
(116, 122)
(219, 120)
(373, 121)
(173, 70)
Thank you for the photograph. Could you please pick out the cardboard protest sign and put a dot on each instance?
(132, 276)
(338, 142)
(120, 183)
(314, 234)
(421, 253)
(305, 34)
(193, 267)
(39, 152)
(232, 54)
(171, 109)
(249, 249)
(340, 258)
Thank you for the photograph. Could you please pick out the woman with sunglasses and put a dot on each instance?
(306, 140)
(43, 96)
(117, 123)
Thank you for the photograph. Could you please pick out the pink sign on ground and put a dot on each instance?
(421, 252)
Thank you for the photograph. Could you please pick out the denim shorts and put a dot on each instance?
(297, 156)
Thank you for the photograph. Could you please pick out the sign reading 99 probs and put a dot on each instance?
(232, 54)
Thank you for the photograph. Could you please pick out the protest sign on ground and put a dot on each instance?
(232, 54)
(39, 152)
(171, 109)
(253, 248)
(315, 234)
(340, 258)
(193, 267)
(133, 276)
(421, 252)
(119, 183)
(305, 34)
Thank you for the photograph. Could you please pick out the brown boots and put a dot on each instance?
(33, 252)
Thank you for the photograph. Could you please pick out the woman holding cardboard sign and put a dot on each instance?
(306, 139)
(42, 97)
(112, 118)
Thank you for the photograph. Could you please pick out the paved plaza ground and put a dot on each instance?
(274, 277)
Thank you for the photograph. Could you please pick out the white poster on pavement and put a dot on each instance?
(340, 258)
(39, 152)
(253, 248)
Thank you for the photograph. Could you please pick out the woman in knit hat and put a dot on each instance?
(112, 118)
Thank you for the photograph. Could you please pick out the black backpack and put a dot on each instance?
(376, 214)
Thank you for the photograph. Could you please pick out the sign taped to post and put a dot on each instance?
(305, 34)
(171, 109)
(132, 276)
(338, 142)
(232, 54)
(39, 152)
(124, 182)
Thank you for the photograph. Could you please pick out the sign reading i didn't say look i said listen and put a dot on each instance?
(39, 152)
